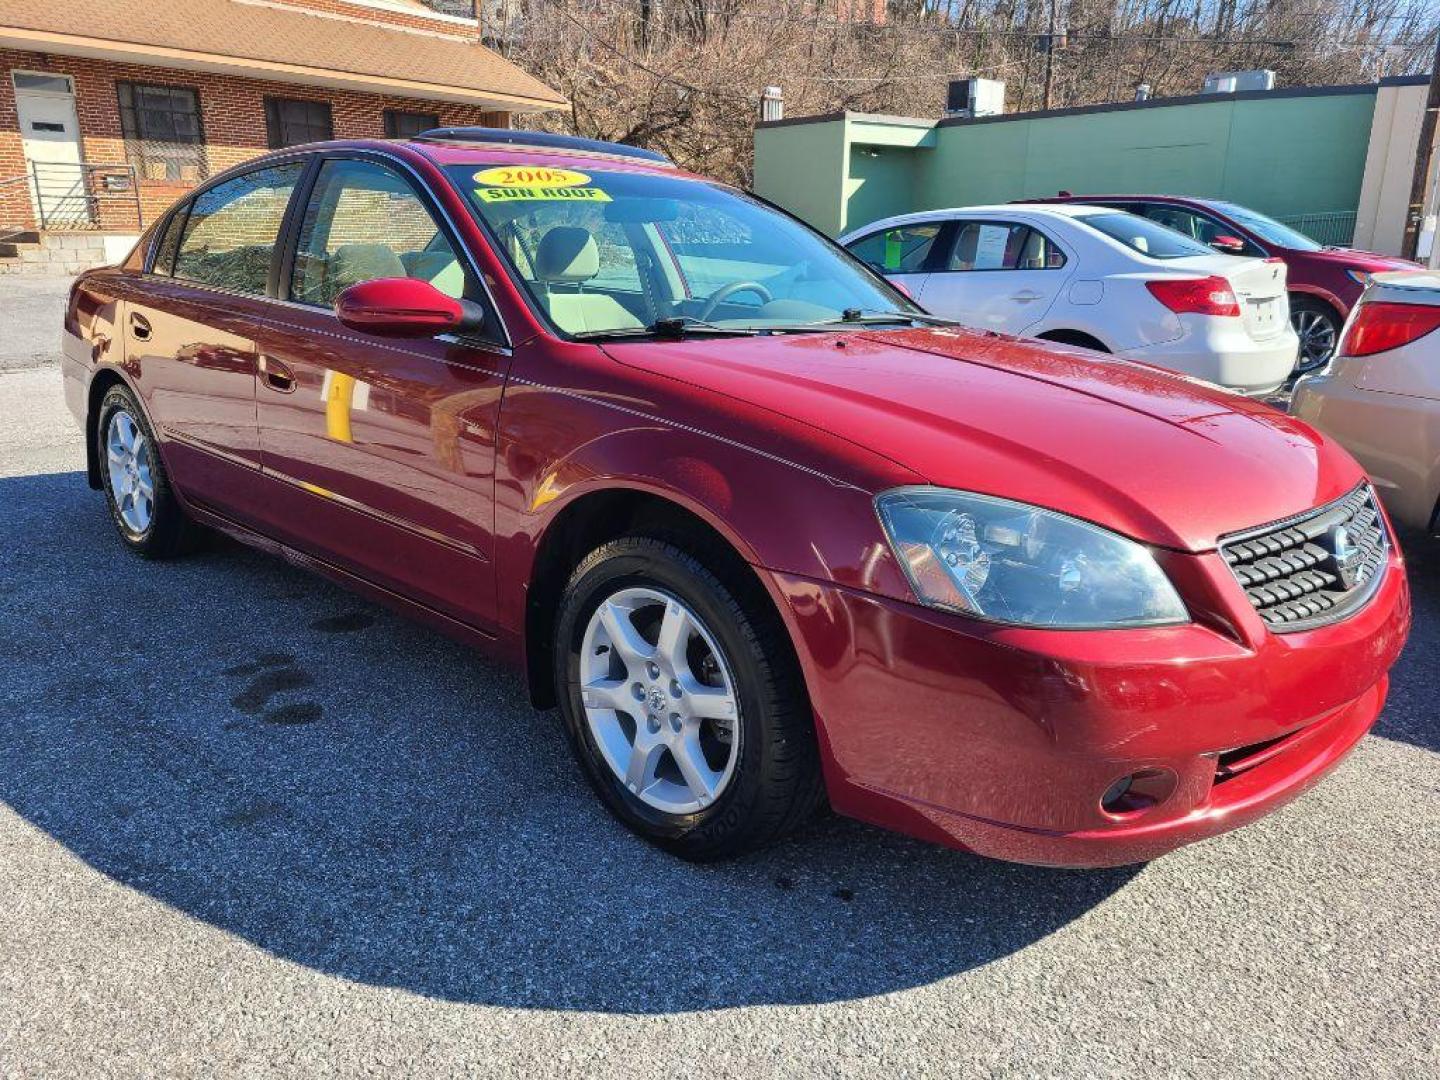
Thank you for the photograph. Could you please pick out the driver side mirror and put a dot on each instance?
(1228, 245)
(406, 308)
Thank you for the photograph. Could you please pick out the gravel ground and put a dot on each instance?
(249, 823)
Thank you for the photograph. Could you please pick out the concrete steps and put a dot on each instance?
(58, 254)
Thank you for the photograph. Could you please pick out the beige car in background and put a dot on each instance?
(1380, 396)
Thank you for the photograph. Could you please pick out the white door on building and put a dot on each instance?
(50, 134)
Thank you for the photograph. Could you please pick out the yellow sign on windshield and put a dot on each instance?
(541, 194)
(530, 176)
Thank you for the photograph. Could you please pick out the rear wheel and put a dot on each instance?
(1317, 325)
(682, 704)
(142, 503)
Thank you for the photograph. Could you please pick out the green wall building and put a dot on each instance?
(1297, 154)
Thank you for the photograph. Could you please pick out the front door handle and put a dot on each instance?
(139, 326)
(276, 375)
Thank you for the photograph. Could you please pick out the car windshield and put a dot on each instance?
(1267, 228)
(1149, 238)
(606, 253)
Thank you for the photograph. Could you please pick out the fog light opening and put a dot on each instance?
(1137, 793)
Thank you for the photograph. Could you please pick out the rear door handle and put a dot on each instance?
(276, 375)
(139, 326)
(1026, 296)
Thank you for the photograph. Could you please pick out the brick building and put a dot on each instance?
(110, 109)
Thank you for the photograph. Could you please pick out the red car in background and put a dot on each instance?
(763, 530)
(1324, 281)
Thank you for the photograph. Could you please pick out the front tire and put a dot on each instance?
(147, 515)
(683, 702)
(1317, 325)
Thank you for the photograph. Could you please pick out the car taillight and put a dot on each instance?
(1381, 326)
(1196, 296)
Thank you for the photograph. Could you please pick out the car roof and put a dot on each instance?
(1062, 210)
(1062, 200)
(479, 146)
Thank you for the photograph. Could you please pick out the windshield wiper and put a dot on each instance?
(677, 327)
(857, 317)
(680, 325)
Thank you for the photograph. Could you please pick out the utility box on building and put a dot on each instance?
(975, 97)
(1236, 82)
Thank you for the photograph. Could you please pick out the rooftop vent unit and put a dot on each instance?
(975, 97)
(1237, 82)
(772, 104)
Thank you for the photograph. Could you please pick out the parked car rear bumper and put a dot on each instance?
(1220, 351)
(1003, 741)
(1393, 436)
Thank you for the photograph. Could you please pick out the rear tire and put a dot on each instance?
(1317, 325)
(683, 703)
(143, 505)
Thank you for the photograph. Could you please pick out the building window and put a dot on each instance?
(163, 136)
(292, 121)
(406, 125)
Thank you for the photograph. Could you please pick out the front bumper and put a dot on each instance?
(1002, 741)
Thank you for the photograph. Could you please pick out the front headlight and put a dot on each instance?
(1010, 562)
(1360, 277)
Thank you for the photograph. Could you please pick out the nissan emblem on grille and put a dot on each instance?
(1346, 556)
(1315, 568)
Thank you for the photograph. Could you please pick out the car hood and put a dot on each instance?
(1370, 261)
(1164, 459)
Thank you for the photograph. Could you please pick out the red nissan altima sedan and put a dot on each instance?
(764, 531)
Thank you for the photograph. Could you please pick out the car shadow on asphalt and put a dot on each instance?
(342, 788)
(265, 753)
(1412, 714)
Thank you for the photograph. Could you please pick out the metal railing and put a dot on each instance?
(85, 195)
(1337, 228)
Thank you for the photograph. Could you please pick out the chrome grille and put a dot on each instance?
(1315, 568)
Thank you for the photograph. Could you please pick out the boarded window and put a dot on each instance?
(163, 136)
(406, 125)
(292, 121)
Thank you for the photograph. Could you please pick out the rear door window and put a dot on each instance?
(233, 229)
(992, 245)
(1148, 238)
(169, 243)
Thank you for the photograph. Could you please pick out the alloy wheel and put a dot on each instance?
(659, 700)
(1317, 337)
(130, 461)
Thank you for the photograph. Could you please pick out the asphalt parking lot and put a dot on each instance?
(250, 823)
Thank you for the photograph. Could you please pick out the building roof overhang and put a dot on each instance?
(290, 45)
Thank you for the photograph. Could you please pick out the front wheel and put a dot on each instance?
(682, 702)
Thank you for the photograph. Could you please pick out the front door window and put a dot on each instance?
(364, 222)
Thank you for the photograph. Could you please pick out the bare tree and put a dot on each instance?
(684, 76)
